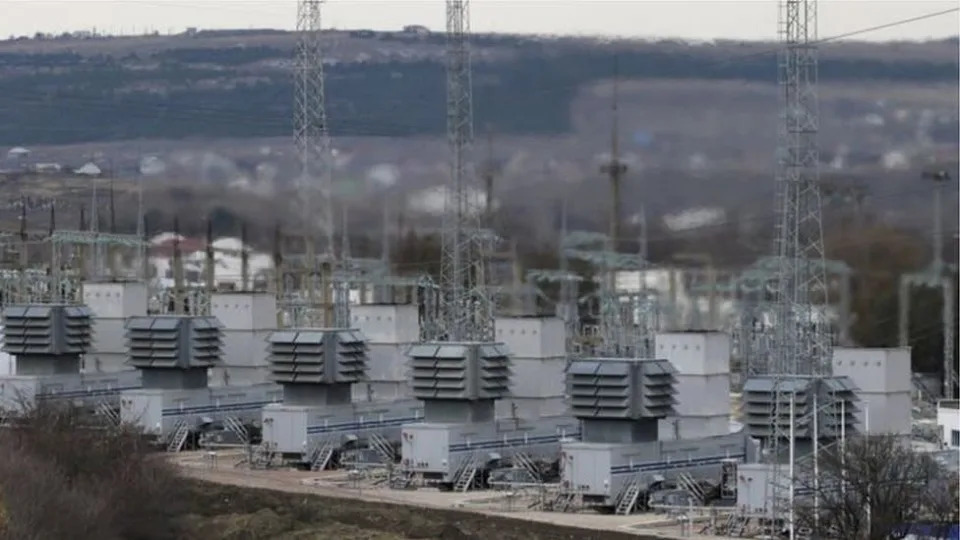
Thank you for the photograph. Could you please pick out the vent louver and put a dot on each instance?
(618, 389)
(460, 371)
(47, 330)
(318, 356)
(494, 366)
(173, 342)
(351, 356)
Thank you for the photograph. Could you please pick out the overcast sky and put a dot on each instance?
(690, 19)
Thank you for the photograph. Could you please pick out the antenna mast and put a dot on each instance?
(466, 309)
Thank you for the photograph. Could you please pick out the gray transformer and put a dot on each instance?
(317, 369)
(620, 403)
(174, 354)
(49, 342)
(460, 436)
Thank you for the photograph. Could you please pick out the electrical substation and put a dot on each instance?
(712, 397)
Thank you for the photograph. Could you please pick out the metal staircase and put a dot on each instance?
(403, 479)
(734, 526)
(235, 426)
(466, 474)
(321, 454)
(108, 413)
(566, 501)
(262, 456)
(179, 437)
(686, 482)
(383, 447)
(628, 498)
(522, 461)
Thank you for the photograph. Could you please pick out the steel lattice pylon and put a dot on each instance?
(803, 338)
(312, 142)
(802, 344)
(311, 136)
(466, 308)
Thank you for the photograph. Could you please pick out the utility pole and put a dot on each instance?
(82, 249)
(24, 257)
(489, 177)
(95, 228)
(615, 169)
(141, 225)
(937, 275)
(178, 296)
(940, 179)
(56, 264)
(466, 308)
(278, 274)
(345, 251)
(245, 283)
(112, 250)
(568, 298)
(210, 266)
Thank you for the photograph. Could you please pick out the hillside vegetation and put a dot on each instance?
(64, 476)
(240, 84)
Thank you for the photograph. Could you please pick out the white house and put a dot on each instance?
(948, 421)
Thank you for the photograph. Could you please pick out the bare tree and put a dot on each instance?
(943, 504)
(871, 488)
(65, 475)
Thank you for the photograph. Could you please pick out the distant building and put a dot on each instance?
(90, 169)
(416, 30)
(948, 420)
(162, 245)
(47, 168)
(18, 152)
(17, 160)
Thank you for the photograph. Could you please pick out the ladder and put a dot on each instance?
(523, 461)
(402, 480)
(232, 424)
(466, 474)
(179, 437)
(262, 456)
(382, 446)
(321, 455)
(628, 499)
(108, 413)
(734, 526)
(565, 501)
(685, 481)
(739, 526)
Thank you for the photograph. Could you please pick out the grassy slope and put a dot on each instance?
(234, 513)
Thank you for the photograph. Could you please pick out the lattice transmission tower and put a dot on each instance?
(312, 142)
(802, 342)
(466, 311)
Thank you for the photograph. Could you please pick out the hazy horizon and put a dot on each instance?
(745, 20)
